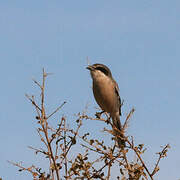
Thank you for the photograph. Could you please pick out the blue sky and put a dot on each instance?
(138, 40)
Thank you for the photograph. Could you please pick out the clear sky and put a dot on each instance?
(138, 40)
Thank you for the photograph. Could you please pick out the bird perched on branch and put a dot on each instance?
(106, 94)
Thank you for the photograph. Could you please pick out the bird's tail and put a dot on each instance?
(119, 131)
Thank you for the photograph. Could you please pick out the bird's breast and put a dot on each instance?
(104, 93)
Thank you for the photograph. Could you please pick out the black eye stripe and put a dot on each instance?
(103, 70)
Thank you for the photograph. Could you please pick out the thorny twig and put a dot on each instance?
(44, 124)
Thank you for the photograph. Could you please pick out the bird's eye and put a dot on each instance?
(103, 70)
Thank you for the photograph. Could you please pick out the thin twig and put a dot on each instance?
(38, 150)
(161, 154)
(29, 169)
(139, 157)
(57, 109)
(65, 148)
(128, 118)
(42, 139)
(33, 102)
(37, 83)
(75, 134)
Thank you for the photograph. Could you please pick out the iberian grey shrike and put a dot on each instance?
(106, 94)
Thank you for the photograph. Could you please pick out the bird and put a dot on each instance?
(106, 94)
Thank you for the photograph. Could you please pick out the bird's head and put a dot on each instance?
(97, 70)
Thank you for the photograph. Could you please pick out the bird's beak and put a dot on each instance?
(90, 68)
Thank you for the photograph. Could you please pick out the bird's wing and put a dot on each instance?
(118, 96)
